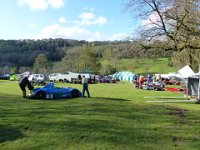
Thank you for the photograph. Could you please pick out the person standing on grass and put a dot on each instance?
(85, 86)
(140, 81)
(79, 77)
(154, 78)
(148, 78)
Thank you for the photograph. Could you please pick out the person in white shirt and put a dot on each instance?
(85, 86)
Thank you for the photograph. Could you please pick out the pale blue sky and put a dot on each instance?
(70, 19)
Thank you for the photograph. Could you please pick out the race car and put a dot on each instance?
(51, 92)
(157, 86)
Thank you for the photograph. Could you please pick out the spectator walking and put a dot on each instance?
(85, 86)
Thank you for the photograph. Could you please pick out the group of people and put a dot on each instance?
(138, 81)
(24, 82)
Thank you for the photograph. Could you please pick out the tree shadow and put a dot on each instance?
(113, 99)
(9, 134)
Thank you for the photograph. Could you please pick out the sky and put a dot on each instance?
(91, 20)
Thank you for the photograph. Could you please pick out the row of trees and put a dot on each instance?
(103, 59)
(81, 57)
(14, 52)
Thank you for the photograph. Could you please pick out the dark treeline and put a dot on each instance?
(72, 55)
(15, 53)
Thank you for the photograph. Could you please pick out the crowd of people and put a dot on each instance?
(140, 80)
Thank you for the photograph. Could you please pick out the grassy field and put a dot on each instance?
(117, 116)
(144, 66)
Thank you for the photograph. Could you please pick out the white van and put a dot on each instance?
(52, 77)
(36, 77)
(58, 77)
(74, 76)
(68, 77)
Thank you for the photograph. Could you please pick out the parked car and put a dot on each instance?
(68, 77)
(51, 92)
(4, 76)
(37, 79)
(171, 82)
(15, 77)
(106, 79)
(157, 86)
(52, 77)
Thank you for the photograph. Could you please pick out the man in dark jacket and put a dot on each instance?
(23, 83)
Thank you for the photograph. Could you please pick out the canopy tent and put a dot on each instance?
(124, 75)
(186, 72)
(182, 74)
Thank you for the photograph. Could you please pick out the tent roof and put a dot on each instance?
(186, 71)
(123, 73)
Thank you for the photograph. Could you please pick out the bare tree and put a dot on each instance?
(176, 22)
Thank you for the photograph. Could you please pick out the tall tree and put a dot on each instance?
(81, 58)
(176, 22)
(40, 64)
(71, 60)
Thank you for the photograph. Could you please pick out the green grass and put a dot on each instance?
(160, 65)
(117, 116)
(144, 66)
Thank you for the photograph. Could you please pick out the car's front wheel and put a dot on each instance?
(40, 95)
(75, 93)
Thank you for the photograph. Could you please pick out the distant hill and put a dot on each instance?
(23, 52)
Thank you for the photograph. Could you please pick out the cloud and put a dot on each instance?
(151, 20)
(89, 8)
(154, 19)
(32, 25)
(57, 31)
(100, 20)
(62, 20)
(41, 4)
(56, 3)
(88, 18)
(119, 36)
(78, 33)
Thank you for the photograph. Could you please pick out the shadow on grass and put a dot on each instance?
(78, 98)
(9, 134)
(113, 99)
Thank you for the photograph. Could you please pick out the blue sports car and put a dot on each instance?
(51, 92)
